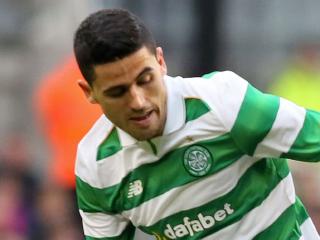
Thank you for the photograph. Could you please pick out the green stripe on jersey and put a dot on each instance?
(289, 223)
(301, 212)
(109, 146)
(127, 234)
(255, 119)
(195, 108)
(87, 197)
(114, 199)
(306, 146)
(252, 189)
(209, 75)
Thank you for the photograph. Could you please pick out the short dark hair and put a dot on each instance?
(109, 35)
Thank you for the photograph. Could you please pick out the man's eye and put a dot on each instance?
(116, 92)
(145, 79)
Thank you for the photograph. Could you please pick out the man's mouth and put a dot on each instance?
(142, 117)
(143, 120)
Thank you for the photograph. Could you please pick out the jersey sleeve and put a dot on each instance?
(99, 222)
(264, 125)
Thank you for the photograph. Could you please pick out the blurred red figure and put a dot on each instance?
(66, 116)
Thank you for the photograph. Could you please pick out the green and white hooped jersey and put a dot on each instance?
(218, 172)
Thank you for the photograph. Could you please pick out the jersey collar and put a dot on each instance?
(175, 106)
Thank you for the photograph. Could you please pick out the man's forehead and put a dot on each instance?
(126, 66)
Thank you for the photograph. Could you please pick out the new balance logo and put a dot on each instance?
(135, 188)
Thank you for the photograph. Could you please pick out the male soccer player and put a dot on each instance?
(183, 158)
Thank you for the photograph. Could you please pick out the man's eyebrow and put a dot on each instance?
(145, 70)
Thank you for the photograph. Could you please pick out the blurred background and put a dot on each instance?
(273, 44)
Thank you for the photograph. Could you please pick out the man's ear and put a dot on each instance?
(87, 90)
(161, 61)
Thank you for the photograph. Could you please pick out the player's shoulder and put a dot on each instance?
(96, 134)
(216, 78)
(209, 85)
(88, 147)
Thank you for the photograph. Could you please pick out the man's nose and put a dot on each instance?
(137, 98)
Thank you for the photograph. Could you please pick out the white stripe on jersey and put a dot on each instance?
(230, 90)
(100, 225)
(280, 138)
(309, 232)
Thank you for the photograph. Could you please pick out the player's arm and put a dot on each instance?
(97, 223)
(264, 125)
(99, 219)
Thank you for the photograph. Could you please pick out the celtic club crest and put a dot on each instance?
(197, 160)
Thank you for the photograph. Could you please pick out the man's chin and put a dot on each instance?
(145, 134)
